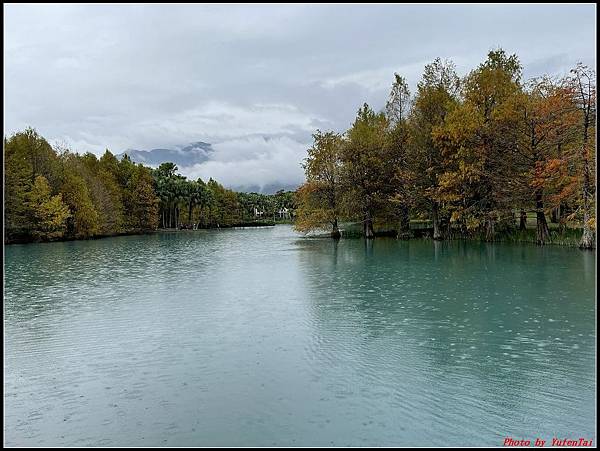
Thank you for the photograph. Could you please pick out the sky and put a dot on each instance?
(254, 80)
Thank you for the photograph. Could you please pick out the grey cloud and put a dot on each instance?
(253, 161)
(149, 76)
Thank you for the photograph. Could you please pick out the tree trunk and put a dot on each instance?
(368, 227)
(523, 220)
(554, 215)
(404, 222)
(587, 239)
(542, 233)
(490, 228)
(335, 232)
(437, 232)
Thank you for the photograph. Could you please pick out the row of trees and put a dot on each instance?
(473, 155)
(184, 202)
(55, 194)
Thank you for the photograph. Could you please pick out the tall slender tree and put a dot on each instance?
(436, 96)
(368, 168)
(583, 86)
(319, 199)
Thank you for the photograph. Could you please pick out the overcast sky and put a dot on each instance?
(255, 81)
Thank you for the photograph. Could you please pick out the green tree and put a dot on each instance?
(48, 213)
(398, 109)
(143, 202)
(17, 184)
(368, 169)
(26, 155)
(108, 195)
(83, 221)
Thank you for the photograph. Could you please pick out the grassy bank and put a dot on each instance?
(569, 236)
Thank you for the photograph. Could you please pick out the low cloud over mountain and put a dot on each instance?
(255, 81)
(194, 153)
(263, 164)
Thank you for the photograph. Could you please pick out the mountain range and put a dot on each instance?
(182, 156)
(191, 154)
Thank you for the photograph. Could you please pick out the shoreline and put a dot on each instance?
(516, 237)
(139, 233)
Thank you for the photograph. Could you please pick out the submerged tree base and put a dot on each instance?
(571, 237)
(587, 241)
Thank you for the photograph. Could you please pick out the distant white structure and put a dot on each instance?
(258, 213)
(284, 213)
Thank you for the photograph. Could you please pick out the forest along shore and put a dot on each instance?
(474, 155)
(54, 194)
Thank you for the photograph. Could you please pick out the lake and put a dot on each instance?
(263, 337)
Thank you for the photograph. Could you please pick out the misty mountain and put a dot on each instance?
(194, 153)
(271, 188)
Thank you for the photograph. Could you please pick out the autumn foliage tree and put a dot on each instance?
(474, 155)
(436, 97)
(319, 199)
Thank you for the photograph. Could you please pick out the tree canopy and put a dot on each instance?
(467, 154)
(53, 193)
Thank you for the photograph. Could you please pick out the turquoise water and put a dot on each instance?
(262, 337)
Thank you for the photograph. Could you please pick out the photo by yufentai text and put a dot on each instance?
(555, 441)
